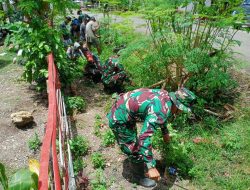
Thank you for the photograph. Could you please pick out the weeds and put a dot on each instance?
(79, 146)
(99, 182)
(97, 160)
(34, 143)
(175, 153)
(78, 164)
(108, 138)
(97, 125)
(76, 103)
(108, 105)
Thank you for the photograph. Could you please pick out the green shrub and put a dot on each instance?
(97, 160)
(34, 143)
(176, 50)
(78, 165)
(79, 146)
(176, 152)
(76, 103)
(108, 138)
(37, 39)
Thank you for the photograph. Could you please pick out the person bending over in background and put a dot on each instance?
(91, 35)
(65, 31)
(75, 29)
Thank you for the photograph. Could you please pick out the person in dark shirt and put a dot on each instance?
(65, 31)
(75, 29)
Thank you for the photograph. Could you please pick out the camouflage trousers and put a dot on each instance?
(126, 137)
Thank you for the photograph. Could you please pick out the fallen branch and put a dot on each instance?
(164, 85)
(159, 83)
(213, 113)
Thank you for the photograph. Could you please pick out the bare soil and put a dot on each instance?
(117, 172)
(15, 96)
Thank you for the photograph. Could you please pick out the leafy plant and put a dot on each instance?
(34, 143)
(37, 39)
(22, 180)
(97, 126)
(191, 45)
(176, 152)
(97, 160)
(78, 164)
(97, 116)
(108, 138)
(79, 146)
(99, 182)
(76, 103)
(3, 177)
(108, 105)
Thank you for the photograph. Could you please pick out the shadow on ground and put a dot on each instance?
(163, 184)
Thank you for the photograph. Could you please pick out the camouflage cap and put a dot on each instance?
(183, 99)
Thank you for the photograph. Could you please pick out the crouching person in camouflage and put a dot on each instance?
(113, 75)
(154, 106)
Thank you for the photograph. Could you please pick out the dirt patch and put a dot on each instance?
(243, 79)
(117, 172)
(16, 96)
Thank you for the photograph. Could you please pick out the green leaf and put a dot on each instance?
(41, 44)
(47, 48)
(24, 179)
(3, 177)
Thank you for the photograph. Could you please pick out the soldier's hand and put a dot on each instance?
(166, 138)
(153, 174)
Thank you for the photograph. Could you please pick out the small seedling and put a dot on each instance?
(99, 181)
(34, 143)
(97, 160)
(78, 164)
(76, 103)
(79, 146)
(97, 116)
(108, 138)
(108, 105)
(97, 125)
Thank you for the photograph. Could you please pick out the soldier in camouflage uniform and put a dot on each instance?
(113, 75)
(93, 68)
(154, 106)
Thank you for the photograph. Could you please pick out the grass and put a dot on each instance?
(127, 14)
(223, 162)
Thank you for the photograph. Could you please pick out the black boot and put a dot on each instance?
(138, 172)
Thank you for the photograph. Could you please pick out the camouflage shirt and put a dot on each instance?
(112, 71)
(151, 105)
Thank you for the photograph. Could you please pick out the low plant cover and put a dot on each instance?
(175, 153)
(99, 182)
(79, 146)
(78, 165)
(34, 143)
(97, 125)
(75, 103)
(218, 160)
(108, 138)
(97, 160)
